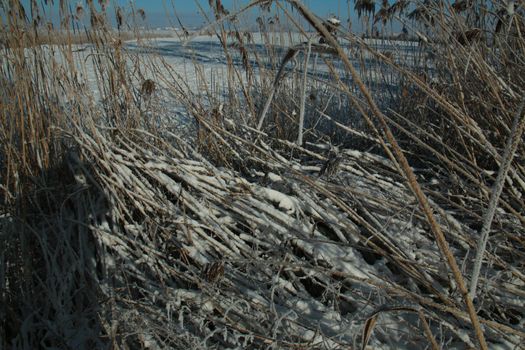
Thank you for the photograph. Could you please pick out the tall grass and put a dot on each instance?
(322, 188)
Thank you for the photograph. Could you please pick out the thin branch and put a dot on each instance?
(510, 150)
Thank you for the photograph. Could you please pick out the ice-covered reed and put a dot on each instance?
(334, 201)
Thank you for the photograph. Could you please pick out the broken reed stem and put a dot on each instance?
(266, 107)
(428, 332)
(510, 150)
(292, 52)
(303, 94)
(408, 172)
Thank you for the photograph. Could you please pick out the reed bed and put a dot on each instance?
(320, 189)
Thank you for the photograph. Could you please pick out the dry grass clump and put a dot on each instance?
(334, 193)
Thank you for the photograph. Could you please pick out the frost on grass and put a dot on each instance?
(183, 226)
(206, 256)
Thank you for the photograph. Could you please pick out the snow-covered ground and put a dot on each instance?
(201, 58)
(269, 216)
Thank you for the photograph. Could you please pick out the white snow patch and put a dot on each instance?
(274, 177)
(285, 202)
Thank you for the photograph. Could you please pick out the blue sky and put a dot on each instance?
(188, 9)
(188, 6)
(159, 13)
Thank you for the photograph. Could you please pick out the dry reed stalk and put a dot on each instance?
(513, 141)
(411, 178)
(428, 331)
(372, 320)
(303, 93)
(148, 226)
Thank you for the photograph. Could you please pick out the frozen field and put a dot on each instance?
(201, 59)
(284, 249)
(199, 66)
